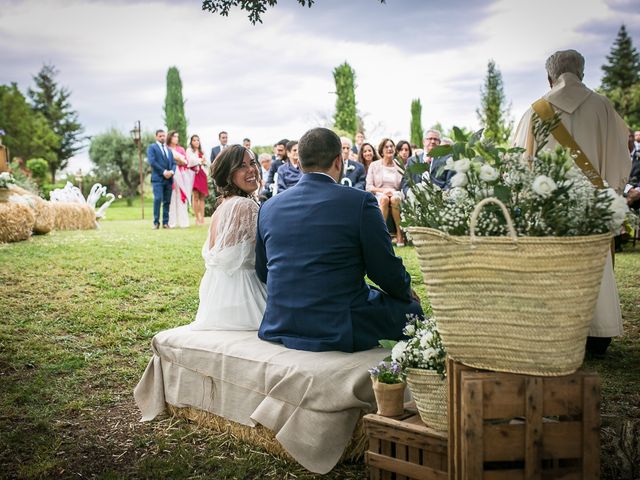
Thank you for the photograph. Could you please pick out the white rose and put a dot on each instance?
(462, 166)
(448, 165)
(458, 194)
(430, 353)
(543, 186)
(573, 173)
(409, 330)
(488, 173)
(397, 352)
(459, 180)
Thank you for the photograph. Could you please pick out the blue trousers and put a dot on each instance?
(161, 195)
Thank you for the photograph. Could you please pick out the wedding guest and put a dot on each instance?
(279, 157)
(435, 173)
(197, 162)
(353, 175)
(289, 172)
(162, 165)
(636, 140)
(314, 244)
(383, 180)
(367, 155)
(215, 151)
(231, 295)
(246, 143)
(357, 146)
(403, 151)
(182, 184)
(602, 136)
(265, 164)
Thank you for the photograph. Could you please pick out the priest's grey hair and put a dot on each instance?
(346, 140)
(565, 61)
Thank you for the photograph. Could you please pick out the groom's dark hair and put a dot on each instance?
(318, 148)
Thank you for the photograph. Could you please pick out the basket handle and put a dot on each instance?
(505, 212)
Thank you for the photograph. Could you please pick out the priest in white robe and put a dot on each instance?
(602, 136)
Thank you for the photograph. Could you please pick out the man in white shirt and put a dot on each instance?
(215, 151)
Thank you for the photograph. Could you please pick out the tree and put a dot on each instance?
(27, 133)
(52, 101)
(621, 80)
(174, 105)
(116, 156)
(417, 134)
(623, 69)
(493, 112)
(255, 7)
(345, 117)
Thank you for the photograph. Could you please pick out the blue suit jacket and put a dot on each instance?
(355, 173)
(442, 180)
(214, 153)
(159, 163)
(288, 176)
(314, 245)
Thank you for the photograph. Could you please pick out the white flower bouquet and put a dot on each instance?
(6, 179)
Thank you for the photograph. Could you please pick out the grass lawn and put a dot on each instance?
(78, 312)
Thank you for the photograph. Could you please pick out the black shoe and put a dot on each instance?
(156, 226)
(597, 346)
(165, 226)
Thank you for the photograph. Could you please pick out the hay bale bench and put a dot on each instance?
(303, 405)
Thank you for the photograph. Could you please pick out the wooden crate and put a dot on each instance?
(507, 426)
(403, 448)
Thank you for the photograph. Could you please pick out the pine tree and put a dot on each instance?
(52, 101)
(174, 105)
(345, 118)
(417, 134)
(623, 69)
(493, 113)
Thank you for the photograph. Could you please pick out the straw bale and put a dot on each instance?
(73, 216)
(45, 215)
(263, 437)
(16, 222)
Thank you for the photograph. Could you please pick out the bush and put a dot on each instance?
(39, 169)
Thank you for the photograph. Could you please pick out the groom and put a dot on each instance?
(163, 166)
(315, 243)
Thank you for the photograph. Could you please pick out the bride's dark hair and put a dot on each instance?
(223, 168)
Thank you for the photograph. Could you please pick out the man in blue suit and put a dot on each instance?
(354, 171)
(223, 137)
(436, 173)
(314, 245)
(163, 166)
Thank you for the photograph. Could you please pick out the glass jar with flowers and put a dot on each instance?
(388, 387)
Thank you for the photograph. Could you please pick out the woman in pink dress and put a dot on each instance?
(199, 164)
(182, 184)
(383, 180)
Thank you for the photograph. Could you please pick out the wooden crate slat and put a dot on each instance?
(504, 395)
(503, 443)
(563, 395)
(503, 475)
(472, 431)
(533, 428)
(562, 440)
(408, 469)
(401, 454)
(591, 427)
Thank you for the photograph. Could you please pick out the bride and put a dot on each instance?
(231, 295)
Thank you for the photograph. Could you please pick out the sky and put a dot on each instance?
(274, 80)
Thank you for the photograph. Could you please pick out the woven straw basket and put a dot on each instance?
(512, 304)
(430, 394)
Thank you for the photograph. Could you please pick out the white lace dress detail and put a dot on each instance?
(231, 295)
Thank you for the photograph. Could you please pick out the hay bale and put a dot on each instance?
(16, 222)
(263, 437)
(45, 215)
(73, 216)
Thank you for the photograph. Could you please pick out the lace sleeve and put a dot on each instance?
(238, 225)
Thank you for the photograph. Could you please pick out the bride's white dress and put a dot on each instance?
(231, 295)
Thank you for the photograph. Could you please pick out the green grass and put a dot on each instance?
(78, 310)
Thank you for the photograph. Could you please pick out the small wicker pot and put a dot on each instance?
(389, 398)
(430, 392)
(519, 304)
(4, 194)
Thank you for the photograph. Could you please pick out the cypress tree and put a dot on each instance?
(174, 105)
(52, 101)
(345, 118)
(417, 134)
(493, 112)
(623, 69)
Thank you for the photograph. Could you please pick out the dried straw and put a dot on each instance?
(16, 222)
(43, 211)
(73, 216)
(430, 393)
(263, 437)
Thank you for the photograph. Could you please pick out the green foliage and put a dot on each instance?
(174, 105)
(493, 112)
(39, 168)
(623, 68)
(52, 101)
(27, 133)
(345, 117)
(22, 180)
(255, 7)
(621, 80)
(417, 134)
(116, 157)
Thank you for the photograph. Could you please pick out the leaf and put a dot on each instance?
(502, 193)
(389, 344)
(440, 151)
(459, 150)
(458, 135)
(418, 168)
